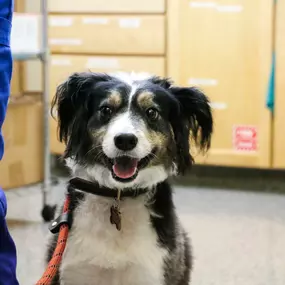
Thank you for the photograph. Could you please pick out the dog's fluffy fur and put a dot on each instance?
(93, 110)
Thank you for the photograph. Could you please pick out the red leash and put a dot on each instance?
(54, 263)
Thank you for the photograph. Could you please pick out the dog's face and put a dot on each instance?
(126, 132)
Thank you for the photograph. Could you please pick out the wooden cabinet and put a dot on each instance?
(107, 6)
(225, 48)
(279, 108)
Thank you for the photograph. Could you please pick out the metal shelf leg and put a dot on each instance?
(48, 211)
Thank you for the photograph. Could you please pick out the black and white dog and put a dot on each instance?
(129, 134)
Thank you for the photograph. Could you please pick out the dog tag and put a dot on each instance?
(115, 217)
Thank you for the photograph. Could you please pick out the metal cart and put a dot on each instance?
(43, 56)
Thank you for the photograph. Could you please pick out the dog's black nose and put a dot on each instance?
(126, 141)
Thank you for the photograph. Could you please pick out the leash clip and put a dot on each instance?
(55, 225)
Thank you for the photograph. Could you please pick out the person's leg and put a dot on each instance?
(8, 256)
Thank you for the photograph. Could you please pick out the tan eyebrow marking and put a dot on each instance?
(115, 99)
(145, 99)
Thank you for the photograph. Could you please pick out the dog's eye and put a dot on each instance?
(152, 114)
(106, 112)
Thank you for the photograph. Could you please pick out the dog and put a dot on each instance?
(127, 133)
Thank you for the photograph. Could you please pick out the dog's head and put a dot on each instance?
(124, 131)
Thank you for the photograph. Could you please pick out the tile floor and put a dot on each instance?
(238, 237)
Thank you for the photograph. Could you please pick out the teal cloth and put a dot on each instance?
(271, 87)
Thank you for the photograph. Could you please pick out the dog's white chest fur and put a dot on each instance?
(98, 254)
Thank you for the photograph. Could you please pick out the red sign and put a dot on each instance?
(245, 138)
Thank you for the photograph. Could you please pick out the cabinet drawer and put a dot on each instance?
(141, 35)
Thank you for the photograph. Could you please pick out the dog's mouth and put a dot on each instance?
(126, 168)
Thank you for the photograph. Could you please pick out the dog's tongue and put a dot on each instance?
(125, 167)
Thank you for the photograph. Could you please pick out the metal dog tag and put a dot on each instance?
(115, 214)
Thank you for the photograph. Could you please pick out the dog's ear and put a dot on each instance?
(71, 101)
(195, 121)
